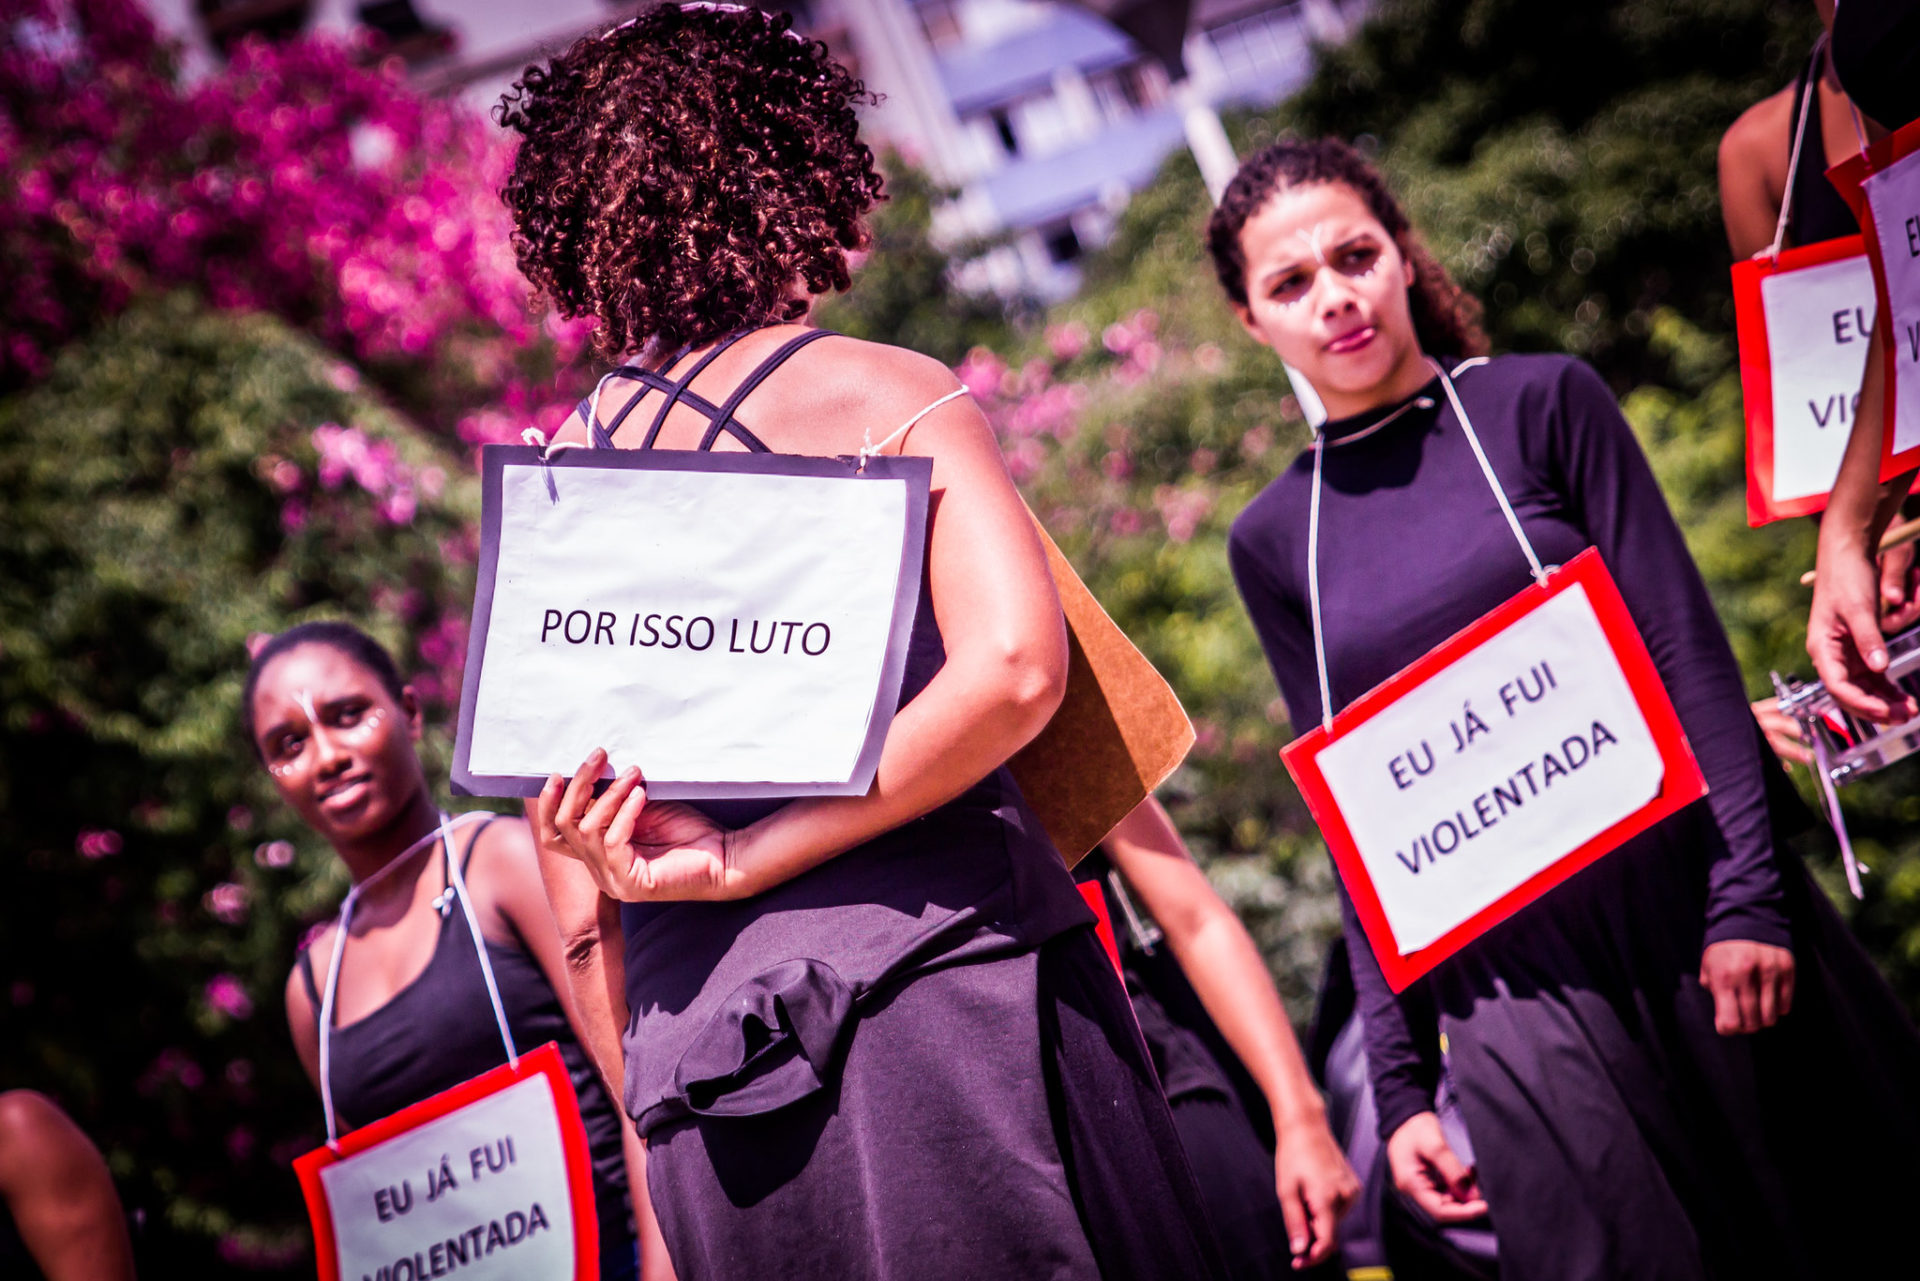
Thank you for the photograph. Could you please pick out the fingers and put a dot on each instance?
(1784, 1002)
(546, 808)
(1324, 1216)
(1299, 1219)
(620, 830)
(1726, 1007)
(1746, 999)
(1896, 565)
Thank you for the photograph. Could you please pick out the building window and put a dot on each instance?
(1003, 129)
(1258, 44)
(940, 23)
(1061, 242)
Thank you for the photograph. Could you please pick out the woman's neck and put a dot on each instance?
(1408, 377)
(371, 854)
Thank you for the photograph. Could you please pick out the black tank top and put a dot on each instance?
(439, 1030)
(1817, 212)
(741, 1008)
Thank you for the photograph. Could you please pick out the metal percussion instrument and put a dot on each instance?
(1845, 747)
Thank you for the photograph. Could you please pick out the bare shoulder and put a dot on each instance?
(34, 1135)
(318, 953)
(1762, 132)
(883, 382)
(506, 843)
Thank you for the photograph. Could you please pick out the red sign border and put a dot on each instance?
(1756, 371)
(1681, 785)
(544, 1061)
(1846, 178)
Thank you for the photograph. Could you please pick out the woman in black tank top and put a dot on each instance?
(335, 727)
(868, 1037)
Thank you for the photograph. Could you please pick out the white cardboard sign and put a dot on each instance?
(1819, 322)
(1491, 770)
(487, 1182)
(1893, 202)
(733, 624)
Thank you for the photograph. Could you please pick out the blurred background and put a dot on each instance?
(259, 312)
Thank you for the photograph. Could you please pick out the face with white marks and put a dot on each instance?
(338, 744)
(1327, 290)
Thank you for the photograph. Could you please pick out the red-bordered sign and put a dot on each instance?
(1848, 177)
(543, 1065)
(1680, 782)
(1103, 923)
(1808, 443)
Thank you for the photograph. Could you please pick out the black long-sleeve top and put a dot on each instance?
(1413, 547)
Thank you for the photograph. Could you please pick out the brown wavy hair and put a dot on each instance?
(679, 175)
(1446, 318)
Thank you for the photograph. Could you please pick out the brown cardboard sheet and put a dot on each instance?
(1119, 733)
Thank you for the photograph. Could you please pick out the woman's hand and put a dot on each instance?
(1751, 984)
(1428, 1172)
(1316, 1188)
(1783, 733)
(637, 851)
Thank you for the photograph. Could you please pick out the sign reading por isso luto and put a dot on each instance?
(736, 625)
(1506, 759)
(488, 1181)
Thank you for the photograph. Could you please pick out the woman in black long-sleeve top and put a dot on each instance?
(1676, 1064)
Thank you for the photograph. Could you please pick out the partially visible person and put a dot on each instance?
(60, 1218)
(1876, 56)
(1212, 1017)
(1775, 157)
(335, 726)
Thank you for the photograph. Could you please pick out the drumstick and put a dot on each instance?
(1899, 536)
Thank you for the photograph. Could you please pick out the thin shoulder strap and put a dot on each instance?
(682, 386)
(305, 962)
(723, 420)
(473, 843)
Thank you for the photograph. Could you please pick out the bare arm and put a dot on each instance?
(1220, 959)
(56, 1186)
(1753, 164)
(303, 1020)
(588, 970)
(1844, 628)
(1003, 678)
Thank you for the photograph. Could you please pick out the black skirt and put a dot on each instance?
(995, 1119)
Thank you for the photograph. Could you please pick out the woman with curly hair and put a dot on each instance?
(865, 1036)
(1666, 1065)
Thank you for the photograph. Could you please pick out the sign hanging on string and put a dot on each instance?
(490, 1179)
(1883, 187)
(1804, 320)
(1504, 761)
(1500, 763)
(735, 624)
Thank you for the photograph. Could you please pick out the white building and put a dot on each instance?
(1044, 118)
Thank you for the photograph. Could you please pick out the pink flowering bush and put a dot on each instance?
(305, 179)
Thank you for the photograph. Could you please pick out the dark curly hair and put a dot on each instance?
(1446, 318)
(679, 174)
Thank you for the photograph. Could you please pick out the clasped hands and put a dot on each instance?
(637, 850)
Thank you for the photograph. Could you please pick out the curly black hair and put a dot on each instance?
(679, 175)
(1446, 318)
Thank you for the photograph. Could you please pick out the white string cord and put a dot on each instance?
(1313, 528)
(459, 882)
(1793, 159)
(443, 834)
(1486, 468)
(871, 450)
(1313, 586)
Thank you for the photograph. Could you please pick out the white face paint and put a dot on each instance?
(1312, 238)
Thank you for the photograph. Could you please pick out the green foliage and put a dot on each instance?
(904, 292)
(161, 499)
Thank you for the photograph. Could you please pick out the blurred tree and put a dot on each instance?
(904, 291)
(177, 483)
